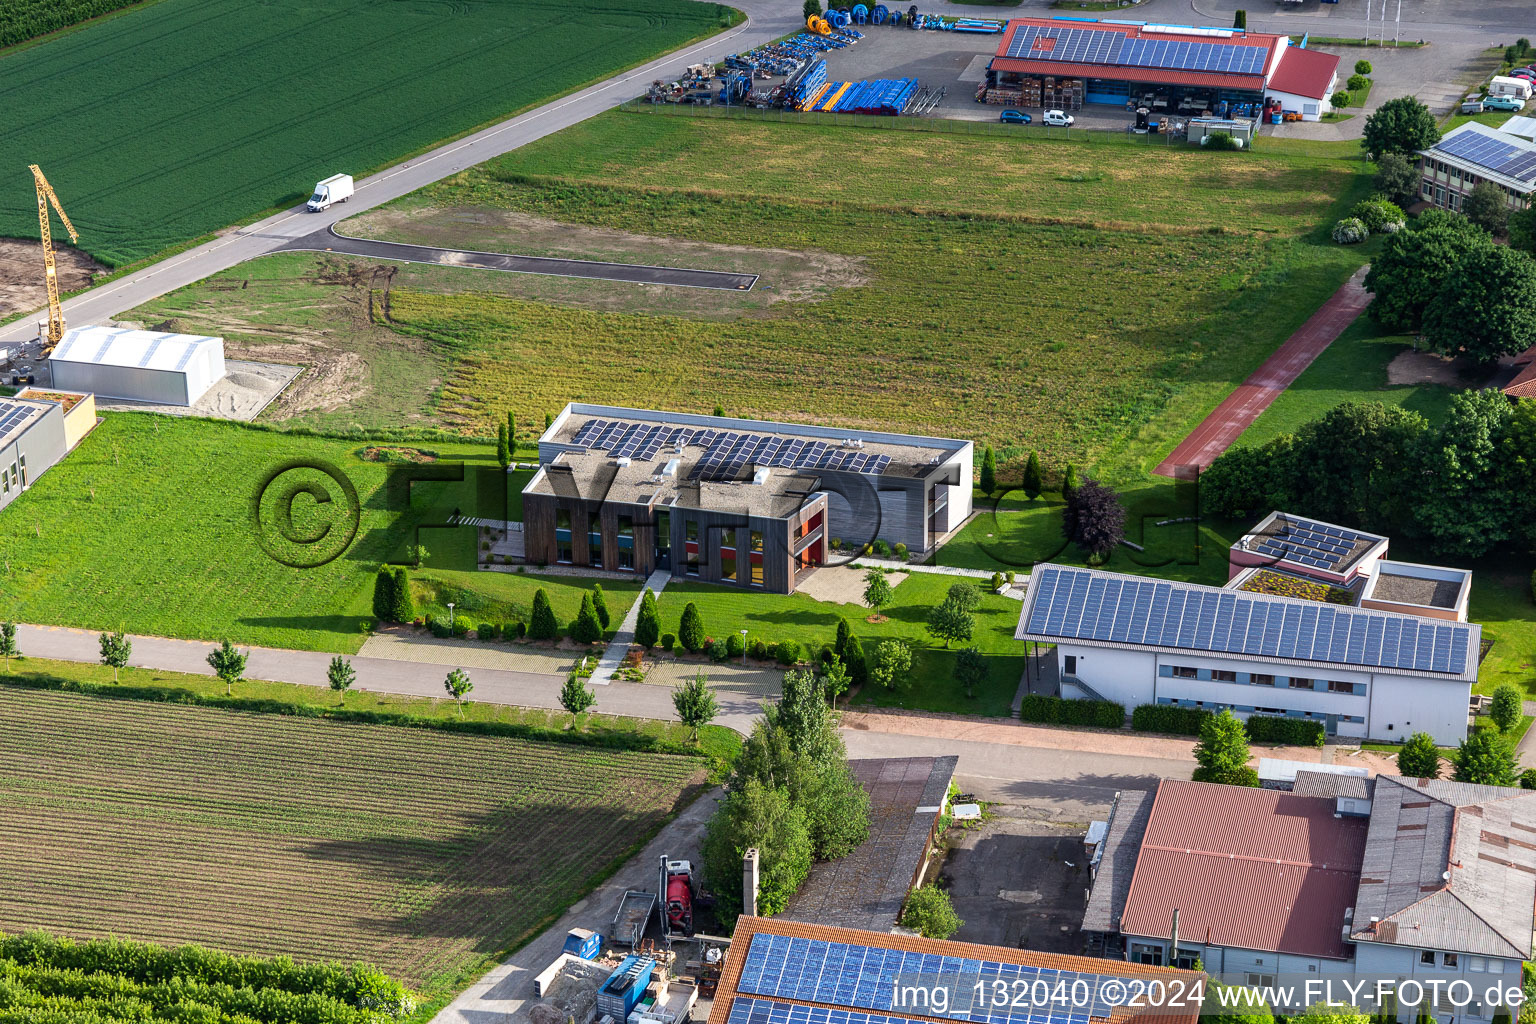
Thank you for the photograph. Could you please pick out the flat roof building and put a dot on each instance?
(32, 439)
(140, 366)
(1174, 68)
(739, 502)
(1473, 153)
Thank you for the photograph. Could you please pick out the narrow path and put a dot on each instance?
(1236, 413)
(738, 709)
(613, 656)
(329, 240)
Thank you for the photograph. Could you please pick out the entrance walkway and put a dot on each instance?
(625, 635)
(1236, 413)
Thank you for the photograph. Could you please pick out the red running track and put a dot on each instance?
(1238, 410)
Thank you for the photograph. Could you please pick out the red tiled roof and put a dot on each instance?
(1250, 868)
(1524, 384)
(746, 927)
(1117, 72)
(1304, 72)
(1121, 72)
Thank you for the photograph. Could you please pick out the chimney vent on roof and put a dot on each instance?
(621, 461)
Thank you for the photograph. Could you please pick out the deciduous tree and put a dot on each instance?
(1461, 505)
(1487, 758)
(1397, 178)
(950, 622)
(1485, 307)
(115, 651)
(1402, 125)
(1406, 277)
(1486, 207)
(1507, 707)
(228, 664)
(1419, 758)
(877, 590)
(970, 669)
(1093, 519)
(1522, 230)
(575, 697)
(458, 686)
(341, 675)
(967, 596)
(695, 704)
(8, 646)
(891, 663)
(837, 679)
(1222, 752)
(756, 815)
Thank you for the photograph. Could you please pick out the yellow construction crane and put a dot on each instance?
(45, 195)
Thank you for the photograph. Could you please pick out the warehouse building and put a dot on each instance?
(139, 366)
(1414, 879)
(1473, 153)
(739, 502)
(1171, 69)
(1364, 673)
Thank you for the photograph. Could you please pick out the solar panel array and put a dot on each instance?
(1073, 603)
(1507, 158)
(12, 415)
(1104, 46)
(726, 453)
(1309, 543)
(852, 975)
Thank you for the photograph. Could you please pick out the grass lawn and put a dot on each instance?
(432, 873)
(502, 597)
(1501, 601)
(775, 617)
(246, 105)
(148, 526)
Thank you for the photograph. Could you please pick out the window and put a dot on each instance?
(562, 536)
(595, 545)
(1334, 686)
(1477, 963)
(1427, 957)
(1427, 189)
(626, 541)
(1221, 675)
(1270, 711)
(1297, 683)
(728, 555)
(1258, 980)
(1069, 664)
(755, 557)
(1261, 680)
(1183, 672)
(691, 534)
(663, 543)
(1495, 966)
(1448, 959)
(23, 471)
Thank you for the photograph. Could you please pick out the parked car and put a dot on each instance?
(1472, 107)
(1502, 103)
(1015, 117)
(1059, 118)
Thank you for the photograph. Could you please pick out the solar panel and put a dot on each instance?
(1509, 157)
(1077, 604)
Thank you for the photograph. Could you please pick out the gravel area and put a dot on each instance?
(241, 394)
(841, 584)
(424, 648)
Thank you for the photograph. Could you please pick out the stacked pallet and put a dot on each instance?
(1005, 97)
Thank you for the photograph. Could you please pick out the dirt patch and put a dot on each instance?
(783, 274)
(21, 274)
(395, 453)
(841, 584)
(1412, 367)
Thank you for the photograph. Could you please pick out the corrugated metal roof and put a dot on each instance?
(1332, 786)
(1120, 73)
(1305, 72)
(121, 346)
(1117, 864)
(1247, 868)
(1449, 866)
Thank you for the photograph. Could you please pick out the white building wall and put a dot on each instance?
(204, 370)
(1375, 959)
(1311, 109)
(1403, 705)
(1125, 677)
(159, 387)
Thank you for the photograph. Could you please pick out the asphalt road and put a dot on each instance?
(330, 240)
(766, 20)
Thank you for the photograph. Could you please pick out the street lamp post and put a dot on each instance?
(743, 648)
(450, 616)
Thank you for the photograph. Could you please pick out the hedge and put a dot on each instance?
(1062, 711)
(1169, 718)
(1294, 732)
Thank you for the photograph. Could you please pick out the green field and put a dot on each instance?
(305, 837)
(187, 115)
(148, 527)
(21, 20)
(775, 617)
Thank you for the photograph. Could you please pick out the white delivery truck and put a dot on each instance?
(335, 189)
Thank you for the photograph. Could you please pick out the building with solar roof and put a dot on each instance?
(32, 438)
(1173, 69)
(140, 366)
(1363, 672)
(787, 972)
(738, 502)
(1474, 153)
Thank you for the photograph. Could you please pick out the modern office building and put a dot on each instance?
(32, 439)
(1473, 153)
(732, 501)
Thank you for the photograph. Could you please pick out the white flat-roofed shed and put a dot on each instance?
(140, 366)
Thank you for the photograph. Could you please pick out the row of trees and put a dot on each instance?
(790, 795)
(1093, 517)
(1462, 485)
(1449, 283)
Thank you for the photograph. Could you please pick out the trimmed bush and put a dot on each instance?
(439, 627)
(759, 650)
(462, 624)
(787, 651)
(1220, 142)
(719, 651)
(515, 631)
(488, 631)
(1169, 718)
(1294, 732)
(826, 655)
(1362, 67)
(1062, 711)
(1350, 231)
(735, 645)
(691, 629)
(880, 548)
(1380, 216)
(1357, 82)
(900, 550)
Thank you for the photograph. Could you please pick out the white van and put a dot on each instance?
(335, 189)
(1503, 85)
